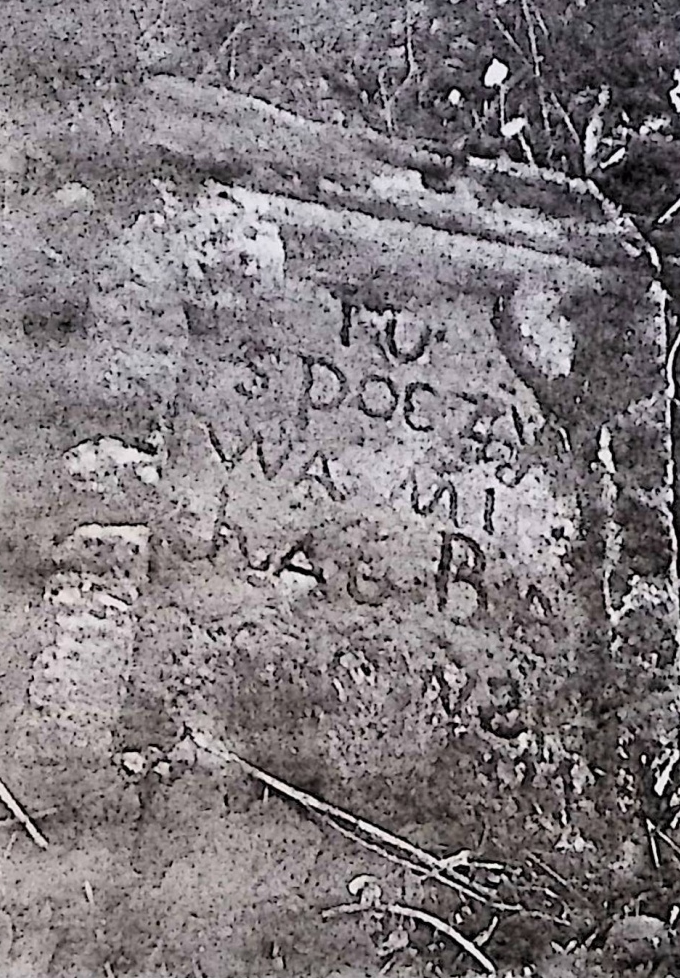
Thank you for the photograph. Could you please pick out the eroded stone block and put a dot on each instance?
(376, 485)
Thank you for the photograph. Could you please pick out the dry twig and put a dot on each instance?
(43, 813)
(669, 213)
(653, 845)
(480, 894)
(552, 872)
(412, 913)
(444, 928)
(571, 128)
(673, 846)
(421, 859)
(388, 101)
(509, 38)
(535, 57)
(20, 815)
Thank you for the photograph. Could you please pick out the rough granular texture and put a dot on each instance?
(371, 483)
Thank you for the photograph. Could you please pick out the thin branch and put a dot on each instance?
(500, 26)
(536, 65)
(509, 38)
(411, 72)
(438, 877)
(386, 101)
(669, 212)
(228, 43)
(20, 815)
(411, 64)
(539, 20)
(345, 908)
(44, 813)
(421, 856)
(653, 846)
(487, 934)
(671, 365)
(440, 925)
(526, 149)
(231, 37)
(412, 913)
(553, 873)
(531, 33)
(567, 118)
(673, 846)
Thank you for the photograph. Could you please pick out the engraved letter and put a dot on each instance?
(376, 592)
(346, 322)
(327, 399)
(378, 404)
(272, 467)
(319, 471)
(470, 569)
(405, 356)
(489, 507)
(410, 408)
(297, 561)
(444, 488)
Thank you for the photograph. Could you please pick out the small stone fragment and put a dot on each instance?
(133, 762)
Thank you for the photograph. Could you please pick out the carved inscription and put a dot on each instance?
(468, 569)
(472, 437)
(326, 387)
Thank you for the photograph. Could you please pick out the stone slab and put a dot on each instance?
(381, 496)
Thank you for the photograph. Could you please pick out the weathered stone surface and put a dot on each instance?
(373, 481)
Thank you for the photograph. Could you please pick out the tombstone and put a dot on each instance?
(376, 483)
